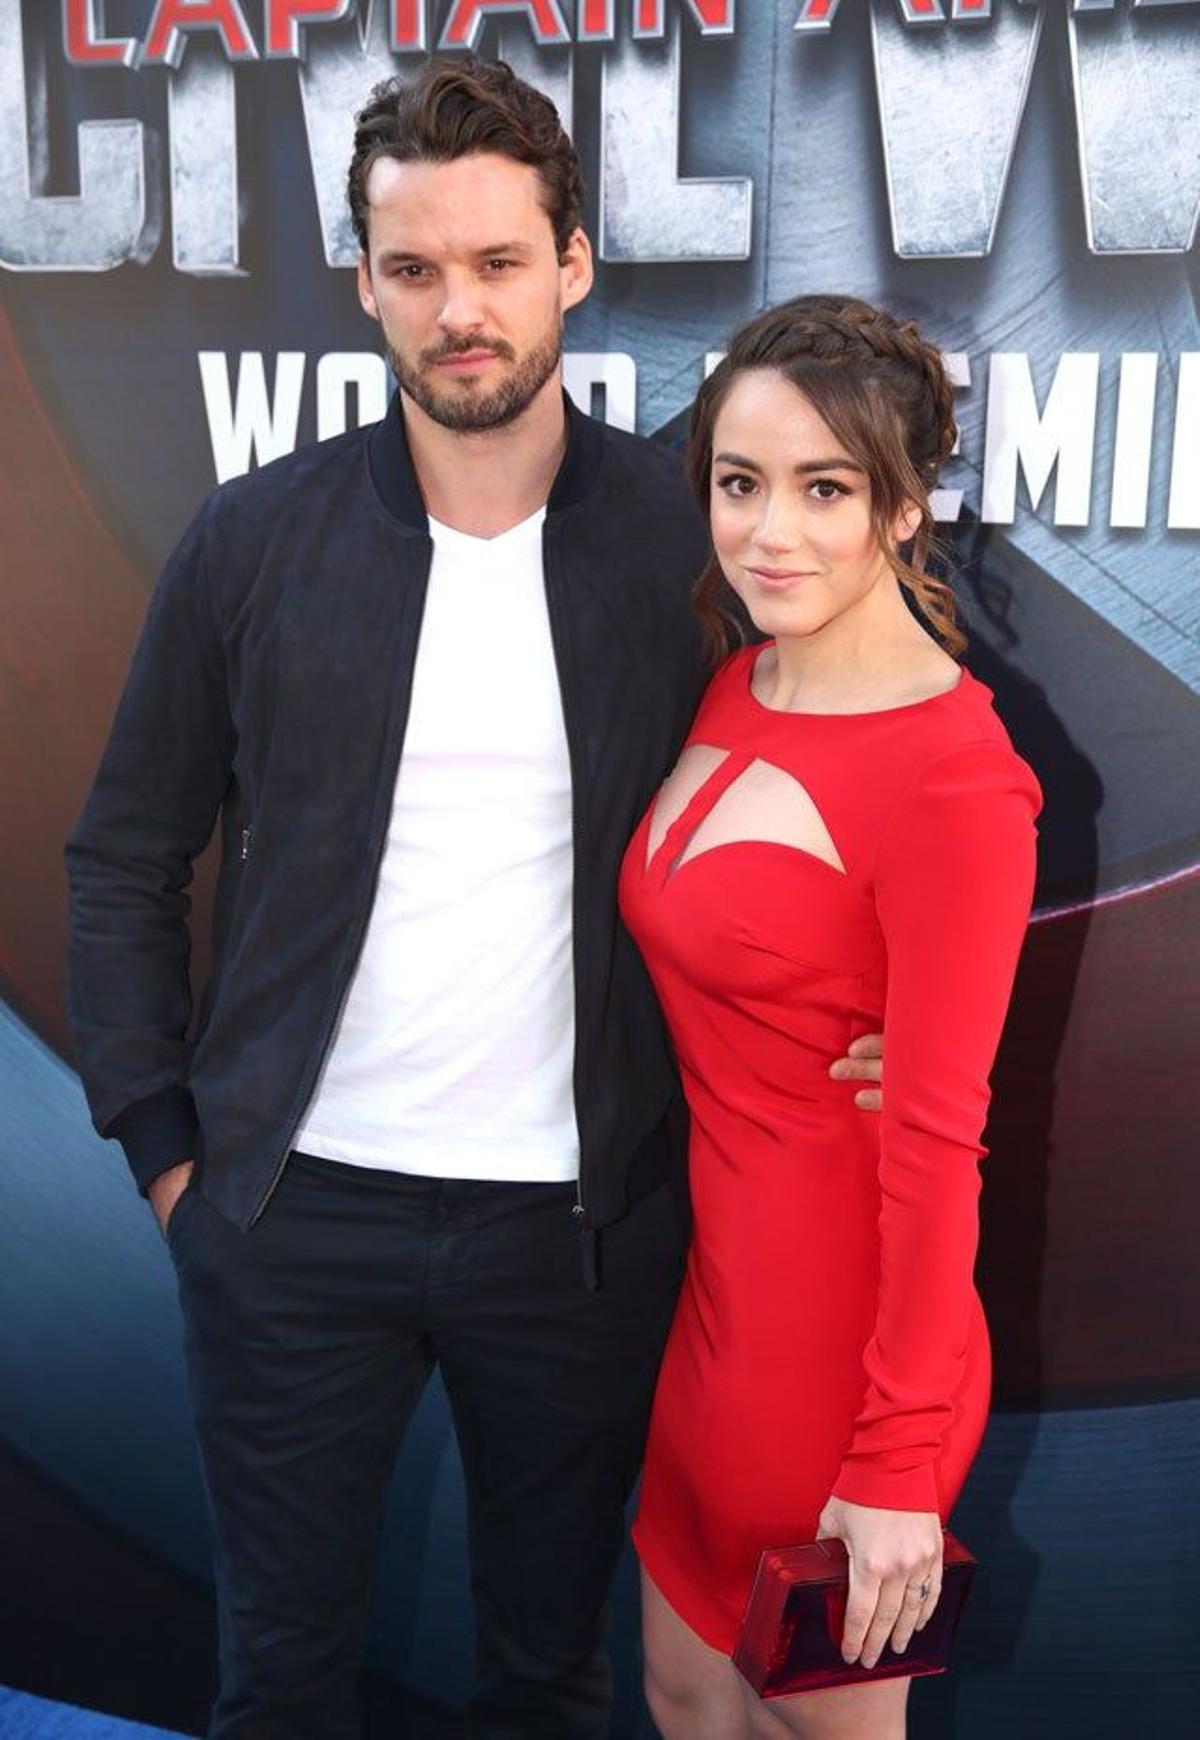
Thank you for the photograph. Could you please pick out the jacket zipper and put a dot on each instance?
(558, 639)
(330, 1021)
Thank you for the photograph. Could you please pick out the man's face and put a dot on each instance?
(464, 277)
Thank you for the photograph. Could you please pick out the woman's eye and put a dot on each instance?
(828, 489)
(736, 485)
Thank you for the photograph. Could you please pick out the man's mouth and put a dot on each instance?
(465, 361)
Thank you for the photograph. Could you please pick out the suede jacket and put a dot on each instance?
(270, 690)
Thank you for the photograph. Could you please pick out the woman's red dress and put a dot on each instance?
(827, 876)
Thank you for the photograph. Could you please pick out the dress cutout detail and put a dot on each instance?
(828, 1337)
(697, 765)
(763, 806)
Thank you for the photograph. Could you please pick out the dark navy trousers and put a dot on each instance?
(309, 1340)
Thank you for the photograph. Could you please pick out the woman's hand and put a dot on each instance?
(894, 1554)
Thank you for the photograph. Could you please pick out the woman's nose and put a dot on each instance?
(777, 529)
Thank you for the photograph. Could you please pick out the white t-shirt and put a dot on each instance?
(453, 1056)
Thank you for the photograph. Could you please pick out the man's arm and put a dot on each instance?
(863, 1062)
(162, 777)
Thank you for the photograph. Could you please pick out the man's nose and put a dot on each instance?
(462, 305)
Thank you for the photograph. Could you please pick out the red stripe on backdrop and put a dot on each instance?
(73, 605)
(1091, 1190)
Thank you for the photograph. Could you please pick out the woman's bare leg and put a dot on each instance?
(696, 1693)
(863, 1712)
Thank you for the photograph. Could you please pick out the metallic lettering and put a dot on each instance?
(647, 214)
(551, 71)
(175, 20)
(409, 26)
(286, 21)
(116, 215)
(1109, 5)
(715, 17)
(340, 67)
(202, 129)
(947, 205)
(1137, 109)
(84, 41)
(466, 21)
(817, 14)
(596, 21)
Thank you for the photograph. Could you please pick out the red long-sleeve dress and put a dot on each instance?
(802, 879)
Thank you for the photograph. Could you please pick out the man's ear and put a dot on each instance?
(366, 289)
(577, 269)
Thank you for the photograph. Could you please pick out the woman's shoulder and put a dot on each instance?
(959, 748)
(727, 683)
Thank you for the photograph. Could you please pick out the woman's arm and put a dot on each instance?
(953, 885)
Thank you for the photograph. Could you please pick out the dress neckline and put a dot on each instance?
(751, 663)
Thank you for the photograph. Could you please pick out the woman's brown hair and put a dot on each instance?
(454, 108)
(885, 393)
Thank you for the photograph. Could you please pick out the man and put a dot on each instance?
(428, 675)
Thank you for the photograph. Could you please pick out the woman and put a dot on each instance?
(847, 839)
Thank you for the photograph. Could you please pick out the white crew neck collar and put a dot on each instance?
(515, 534)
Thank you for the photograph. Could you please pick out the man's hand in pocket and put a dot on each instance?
(166, 1190)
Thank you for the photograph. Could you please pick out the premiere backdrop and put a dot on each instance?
(178, 306)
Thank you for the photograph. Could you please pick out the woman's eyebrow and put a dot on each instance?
(806, 465)
(841, 464)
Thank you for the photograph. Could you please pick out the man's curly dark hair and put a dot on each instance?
(458, 105)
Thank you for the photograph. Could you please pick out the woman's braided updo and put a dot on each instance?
(884, 391)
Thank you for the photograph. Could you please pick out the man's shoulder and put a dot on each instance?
(644, 455)
(296, 480)
(645, 485)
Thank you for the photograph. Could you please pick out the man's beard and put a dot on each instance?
(471, 411)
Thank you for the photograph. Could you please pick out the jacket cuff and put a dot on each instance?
(875, 1484)
(157, 1133)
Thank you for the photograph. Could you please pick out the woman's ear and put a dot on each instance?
(909, 523)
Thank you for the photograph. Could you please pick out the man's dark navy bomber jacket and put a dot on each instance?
(271, 687)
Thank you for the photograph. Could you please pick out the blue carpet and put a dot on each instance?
(23, 1717)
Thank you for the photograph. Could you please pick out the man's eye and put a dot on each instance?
(498, 265)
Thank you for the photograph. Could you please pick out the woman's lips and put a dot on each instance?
(777, 580)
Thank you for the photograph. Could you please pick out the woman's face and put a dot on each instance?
(790, 510)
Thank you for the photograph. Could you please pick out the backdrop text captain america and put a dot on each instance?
(89, 194)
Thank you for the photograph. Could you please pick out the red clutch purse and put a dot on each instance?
(791, 1637)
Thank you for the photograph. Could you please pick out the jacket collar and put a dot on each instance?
(396, 480)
